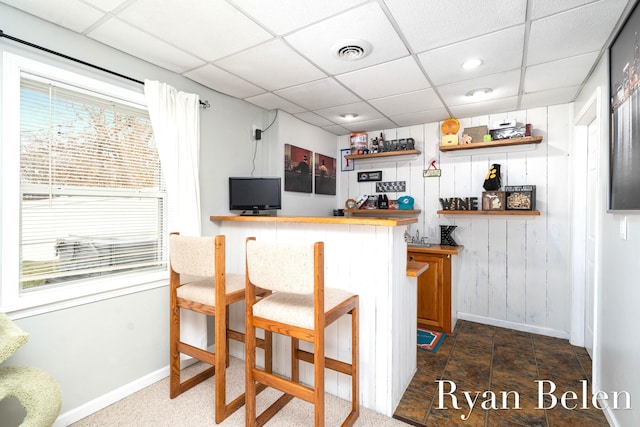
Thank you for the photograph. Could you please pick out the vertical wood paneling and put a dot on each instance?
(432, 193)
(516, 272)
(536, 238)
(497, 268)
(512, 269)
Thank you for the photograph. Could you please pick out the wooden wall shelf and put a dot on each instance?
(384, 154)
(387, 212)
(513, 213)
(492, 144)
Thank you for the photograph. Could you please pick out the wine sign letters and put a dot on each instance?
(459, 204)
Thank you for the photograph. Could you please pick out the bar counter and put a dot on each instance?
(366, 256)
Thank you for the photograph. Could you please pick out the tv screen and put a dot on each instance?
(254, 194)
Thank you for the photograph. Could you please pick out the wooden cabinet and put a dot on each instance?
(436, 305)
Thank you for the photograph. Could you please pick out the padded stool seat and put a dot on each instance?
(296, 309)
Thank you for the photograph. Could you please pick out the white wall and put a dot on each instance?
(514, 271)
(617, 348)
(291, 130)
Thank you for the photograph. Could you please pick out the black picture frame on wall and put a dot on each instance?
(624, 144)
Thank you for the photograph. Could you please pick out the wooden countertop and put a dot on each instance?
(437, 249)
(415, 268)
(384, 221)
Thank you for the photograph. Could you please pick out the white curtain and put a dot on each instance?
(175, 118)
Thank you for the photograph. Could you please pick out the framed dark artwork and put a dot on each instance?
(624, 145)
(370, 176)
(324, 171)
(297, 169)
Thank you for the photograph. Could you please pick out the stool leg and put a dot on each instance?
(174, 353)
(295, 363)
(268, 351)
(250, 364)
(355, 378)
(318, 380)
(221, 358)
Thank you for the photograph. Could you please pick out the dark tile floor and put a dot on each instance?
(479, 358)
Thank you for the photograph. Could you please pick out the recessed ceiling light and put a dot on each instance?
(349, 116)
(472, 63)
(351, 49)
(480, 93)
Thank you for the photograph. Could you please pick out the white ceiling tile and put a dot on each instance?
(542, 8)
(208, 29)
(549, 97)
(220, 80)
(362, 109)
(314, 119)
(370, 125)
(565, 72)
(106, 5)
(575, 32)
(431, 24)
(336, 130)
(283, 16)
(391, 78)
(117, 34)
(271, 65)
(481, 108)
(72, 14)
(421, 117)
(499, 51)
(502, 84)
(319, 94)
(320, 41)
(285, 47)
(269, 101)
(405, 103)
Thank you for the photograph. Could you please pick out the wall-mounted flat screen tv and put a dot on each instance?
(252, 195)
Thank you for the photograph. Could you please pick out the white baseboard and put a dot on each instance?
(514, 325)
(105, 400)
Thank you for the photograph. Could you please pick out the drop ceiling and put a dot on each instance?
(283, 54)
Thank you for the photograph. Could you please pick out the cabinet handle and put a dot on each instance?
(411, 258)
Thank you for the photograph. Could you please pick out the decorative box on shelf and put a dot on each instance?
(493, 200)
(520, 197)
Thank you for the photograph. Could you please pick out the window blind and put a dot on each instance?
(92, 198)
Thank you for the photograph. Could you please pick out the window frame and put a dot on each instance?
(72, 294)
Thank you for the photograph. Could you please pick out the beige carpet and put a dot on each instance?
(152, 407)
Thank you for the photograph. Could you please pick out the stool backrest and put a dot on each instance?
(283, 267)
(192, 255)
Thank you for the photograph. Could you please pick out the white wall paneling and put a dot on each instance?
(514, 271)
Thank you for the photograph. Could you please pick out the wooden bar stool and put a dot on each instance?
(211, 293)
(299, 307)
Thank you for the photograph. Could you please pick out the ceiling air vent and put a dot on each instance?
(352, 50)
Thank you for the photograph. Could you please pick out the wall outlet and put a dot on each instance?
(623, 228)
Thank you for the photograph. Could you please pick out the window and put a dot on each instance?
(91, 211)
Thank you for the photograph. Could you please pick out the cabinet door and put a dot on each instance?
(434, 293)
